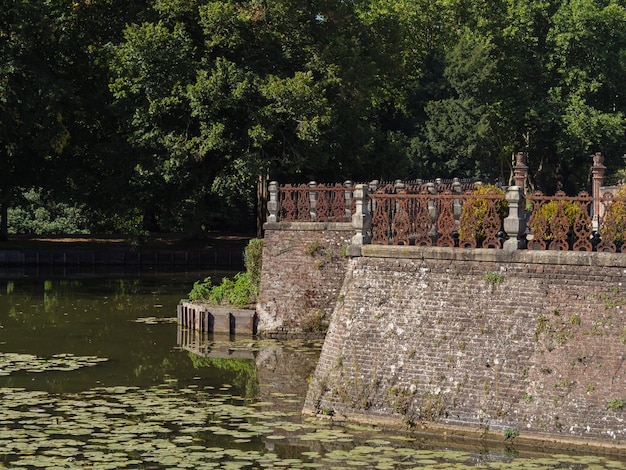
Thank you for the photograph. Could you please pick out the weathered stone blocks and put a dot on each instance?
(304, 265)
(481, 341)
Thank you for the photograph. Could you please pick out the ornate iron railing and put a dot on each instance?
(560, 223)
(421, 215)
(315, 203)
(580, 223)
(612, 224)
(447, 220)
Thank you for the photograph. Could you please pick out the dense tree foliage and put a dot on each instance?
(165, 114)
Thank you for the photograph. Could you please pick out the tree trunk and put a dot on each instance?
(261, 204)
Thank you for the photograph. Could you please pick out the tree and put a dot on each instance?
(588, 56)
(219, 92)
(57, 127)
(32, 124)
(534, 76)
(461, 134)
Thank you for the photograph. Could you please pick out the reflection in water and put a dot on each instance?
(276, 367)
(94, 373)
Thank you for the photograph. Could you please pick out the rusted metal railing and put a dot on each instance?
(560, 223)
(447, 220)
(442, 215)
(315, 203)
(566, 223)
(612, 224)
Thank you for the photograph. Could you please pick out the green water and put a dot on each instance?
(94, 373)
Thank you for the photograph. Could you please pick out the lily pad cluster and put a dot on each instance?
(17, 362)
(171, 426)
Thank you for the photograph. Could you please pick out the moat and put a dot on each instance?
(94, 373)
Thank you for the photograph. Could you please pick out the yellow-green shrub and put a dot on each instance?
(549, 211)
(616, 215)
(478, 207)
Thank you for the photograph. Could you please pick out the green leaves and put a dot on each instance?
(298, 101)
(163, 109)
(536, 76)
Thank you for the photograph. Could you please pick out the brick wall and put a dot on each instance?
(303, 269)
(480, 341)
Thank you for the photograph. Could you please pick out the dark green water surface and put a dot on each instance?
(94, 373)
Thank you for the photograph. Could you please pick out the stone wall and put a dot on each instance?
(304, 264)
(479, 341)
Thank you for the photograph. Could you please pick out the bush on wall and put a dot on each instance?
(614, 220)
(475, 209)
(241, 291)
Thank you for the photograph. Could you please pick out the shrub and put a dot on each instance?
(510, 433)
(201, 290)
(37, 213)
(614, 220)
(475, 209)
(316, 322)
(549, 211)
(253, 260)
(240, 291)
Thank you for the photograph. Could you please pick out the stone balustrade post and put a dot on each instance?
(399, 188)
(597, 170)
(515, 222)
(361, 220)
(458, 204)
(273, 204)
(348, 188)
(313, 200)
(520, 170)
(372, 188)
(432, 209)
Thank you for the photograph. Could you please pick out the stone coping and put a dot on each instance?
(309, 226)
(572, 258)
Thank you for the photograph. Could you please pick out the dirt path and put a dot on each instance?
(104, 242)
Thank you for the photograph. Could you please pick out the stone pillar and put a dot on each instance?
(348, 188)
(372, 188)
(313, 201)
(515, 222)
(520, 170)
(361, 220)
(273, 204)
(597, 170)
(432, 210)
(458, 204)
